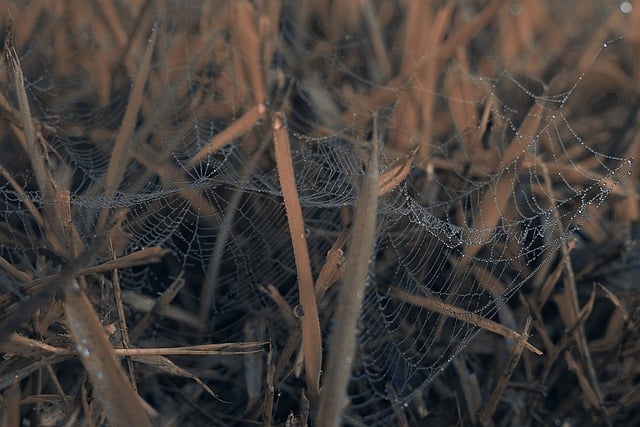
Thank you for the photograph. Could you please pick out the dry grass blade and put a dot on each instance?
(428, 79)
(375, 33)
(161, 304)
(495, 201)
(629, 400)
(111, 388)
(57, 223)
(525, 134)
(392, 177)
(73, 245)
(453, 312)
(463, 35)
(123, 145)
(34, 152)
(122, 320)
(19, 344)
(283, 306)
(247, 41)
(470, 388)
(237, 128)
(11, 406)
(111, 17)
(498, 391)
(27, 347)
(210, 283)
(17, 374)
(167, 366)
(142, 257)
(492, 210)
(588, 392)
(171, 175)
(20, 191)
(151, 306)
(463, 112)
(17, 274)
(224, 349)
(269, 391)
(311, 340)
(23, 311)
(572, 315)
(342, 347)
(553, 279)
(616, 302)
(331, 271)
(584, 313)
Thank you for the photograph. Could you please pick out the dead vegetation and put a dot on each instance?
(169, 256)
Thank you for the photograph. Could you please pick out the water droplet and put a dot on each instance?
(626, 7)
(604, 45)
(298, 311)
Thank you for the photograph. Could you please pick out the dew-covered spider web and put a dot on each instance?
(502, 165)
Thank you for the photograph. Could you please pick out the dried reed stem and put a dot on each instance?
(311, 340)
(342, 347)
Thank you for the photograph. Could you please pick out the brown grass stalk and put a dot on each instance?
(462, 36)
(122, 148)
(142, 257)
(237, 128)
(342, 346)
(209, 285)
(572, 312)
(311, 339)
(161, 303)
(247, 42)
(11, 406)
(58, 227)
(393, 177)
(111, 388)
(505, 375)
(23, 196)
(492, 210)
(33, 150)
(440, 307)
(122, 321)
(17, 274)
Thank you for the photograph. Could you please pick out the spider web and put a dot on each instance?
(500, 174)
